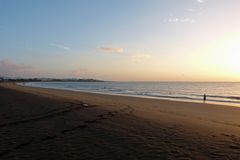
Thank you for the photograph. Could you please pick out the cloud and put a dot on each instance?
(59, 46)
(111, 49)
(10, 69)
(201, 1)
(190, 10)
(179, 20)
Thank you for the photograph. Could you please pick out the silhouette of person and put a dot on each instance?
(204, 97)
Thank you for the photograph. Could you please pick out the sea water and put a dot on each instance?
(217, 92)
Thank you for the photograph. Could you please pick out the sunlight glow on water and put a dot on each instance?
(216, 92)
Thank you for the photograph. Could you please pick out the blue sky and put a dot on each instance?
(114, 39)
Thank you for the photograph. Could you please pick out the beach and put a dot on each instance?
(38, 123)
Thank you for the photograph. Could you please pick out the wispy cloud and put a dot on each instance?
(179, 20)
(10, 69)
(201, 1)
(190, 10)
(111, 49)
(59, 46)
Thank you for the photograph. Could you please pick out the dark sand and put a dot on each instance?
(52, 124)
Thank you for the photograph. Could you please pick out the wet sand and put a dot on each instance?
(55, 124)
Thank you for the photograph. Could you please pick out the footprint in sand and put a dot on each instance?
(91, 121)
(111, 114)
(82, 126)
(22, 145)
(65, 131)
(49, 138)
(85, 105)
(234, 146)
(77, 127)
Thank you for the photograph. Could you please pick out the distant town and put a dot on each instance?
(5, 79)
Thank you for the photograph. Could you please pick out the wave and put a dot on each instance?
(229, 97)
(163, 91)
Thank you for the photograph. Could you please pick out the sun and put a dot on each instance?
(226, 55)
(232, 56)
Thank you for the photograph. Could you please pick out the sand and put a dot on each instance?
(38, 123)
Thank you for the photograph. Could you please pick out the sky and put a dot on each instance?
(121, 40)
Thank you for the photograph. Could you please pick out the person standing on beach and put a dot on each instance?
(204, 97)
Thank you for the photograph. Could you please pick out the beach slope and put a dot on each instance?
(38, 123)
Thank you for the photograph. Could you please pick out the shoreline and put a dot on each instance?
(57, 123)
(105, 99)
(221, 103)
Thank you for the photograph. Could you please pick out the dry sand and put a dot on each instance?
(55, 124)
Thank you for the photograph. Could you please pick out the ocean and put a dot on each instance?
(217, 92)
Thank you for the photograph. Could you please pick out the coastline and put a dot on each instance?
(168, 98)
(108, 99)
(146, 127)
